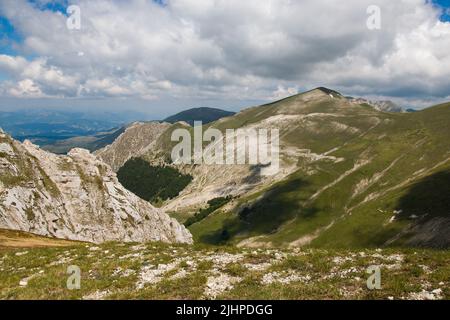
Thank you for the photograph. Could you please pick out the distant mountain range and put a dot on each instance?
(89, 142)
(47, 126)
(60, 136)
(206, 115)
(60, 131)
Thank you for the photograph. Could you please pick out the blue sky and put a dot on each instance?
(445, 5)
(160, 56)
(8, 36)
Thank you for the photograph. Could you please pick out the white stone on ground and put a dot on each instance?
(219, 283)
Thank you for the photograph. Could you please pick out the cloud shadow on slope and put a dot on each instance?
(266, 215)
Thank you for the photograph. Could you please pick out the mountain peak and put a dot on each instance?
(328, 91)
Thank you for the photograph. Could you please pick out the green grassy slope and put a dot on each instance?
(160, 271)
(389, 159)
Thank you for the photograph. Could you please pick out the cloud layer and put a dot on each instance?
(227, 49)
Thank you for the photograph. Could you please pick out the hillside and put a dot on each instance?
(365, 198)
(159, 271)
(74, 197)
(206, 115)
(19, 239)
(349, 176)
(135, 140)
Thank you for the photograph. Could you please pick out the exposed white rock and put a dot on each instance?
(7, 149)
(76, 197)
(426, 295)
(119, 272)
(217, 284)
(224, 258)
(62, 260)
(382, 105)
(24, 281)
(284, 277)
(257, 266)
(97, 295)
(152, 275)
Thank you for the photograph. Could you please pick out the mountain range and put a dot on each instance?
(351, 175)
(52, 138)
(45, 126)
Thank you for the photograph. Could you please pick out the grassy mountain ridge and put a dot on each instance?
(348, 176)
(348, 167)
(323, 209)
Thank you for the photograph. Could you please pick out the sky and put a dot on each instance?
(163, 56)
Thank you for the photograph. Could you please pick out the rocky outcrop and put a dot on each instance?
(135, 141)
(75, 197)
(381, 105)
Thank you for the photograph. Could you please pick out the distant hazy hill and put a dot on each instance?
(206, 115)
(45, 127)
(91, 142)
(64, 135)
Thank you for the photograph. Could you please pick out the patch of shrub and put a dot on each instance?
(152, 183)
(213, 205)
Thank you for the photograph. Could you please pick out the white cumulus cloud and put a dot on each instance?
(203, 49)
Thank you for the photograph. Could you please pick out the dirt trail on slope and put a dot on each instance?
(19, 239)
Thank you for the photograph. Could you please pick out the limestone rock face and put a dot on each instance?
(75, 197)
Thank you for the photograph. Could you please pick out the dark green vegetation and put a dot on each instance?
(212, 206)
(152, 183)
(124, 271)
(206, 115)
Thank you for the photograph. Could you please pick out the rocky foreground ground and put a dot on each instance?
(162, 271)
